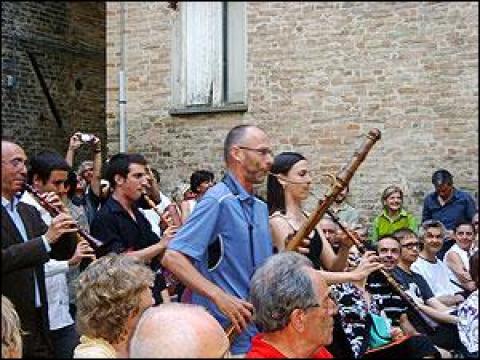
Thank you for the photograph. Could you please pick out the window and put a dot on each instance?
(209, 58)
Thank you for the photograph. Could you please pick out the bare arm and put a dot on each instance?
(438, 315)
(184, 210)
(358, 276)
(97, 166)
(450, 300)
(454, 262)
(74, 144)
(158, 249)
(239, 311)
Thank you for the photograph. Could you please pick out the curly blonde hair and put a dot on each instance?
(107, 293)
(11, 331)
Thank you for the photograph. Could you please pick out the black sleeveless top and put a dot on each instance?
(315, 250)
(316, 244)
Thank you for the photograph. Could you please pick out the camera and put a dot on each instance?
(86, 138)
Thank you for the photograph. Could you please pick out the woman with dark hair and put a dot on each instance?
(288, 186)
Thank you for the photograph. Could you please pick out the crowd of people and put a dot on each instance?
(98, 262)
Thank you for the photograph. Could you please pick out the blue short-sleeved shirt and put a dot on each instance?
(227, 215)
(461, 207)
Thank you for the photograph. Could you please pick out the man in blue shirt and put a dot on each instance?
(229, 215)
(448, 205)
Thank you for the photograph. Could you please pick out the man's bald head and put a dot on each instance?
(8, 146)
(177, 330)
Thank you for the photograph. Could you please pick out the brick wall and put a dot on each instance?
(320, 75)
(68, 42)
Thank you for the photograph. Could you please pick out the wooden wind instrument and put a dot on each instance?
(54, 211)
(426, 321)
(341, 180)
(170, 209)
(170, 279)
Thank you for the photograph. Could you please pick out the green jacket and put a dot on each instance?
(384, 225)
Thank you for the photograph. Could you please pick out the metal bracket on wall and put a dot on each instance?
(43, 84)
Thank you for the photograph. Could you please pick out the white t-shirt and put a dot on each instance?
(436, 275)
(464, 256)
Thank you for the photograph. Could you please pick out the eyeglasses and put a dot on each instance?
(262, 151)
(411, 246)
(16, 162)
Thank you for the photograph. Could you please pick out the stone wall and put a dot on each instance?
(320, 75)
(68, 42)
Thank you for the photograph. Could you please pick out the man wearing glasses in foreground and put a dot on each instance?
(292, 307)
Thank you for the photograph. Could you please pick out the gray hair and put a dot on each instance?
(83, 166)
(280, 286)
(431, 224)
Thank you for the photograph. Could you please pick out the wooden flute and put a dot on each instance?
(426, 321)
(170, 279)
(341, 180)
(54, 211)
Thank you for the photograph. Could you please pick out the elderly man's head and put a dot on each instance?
(289, 296)
(177, 330)
(247, 150)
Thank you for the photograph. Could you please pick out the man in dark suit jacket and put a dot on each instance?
(27, 243)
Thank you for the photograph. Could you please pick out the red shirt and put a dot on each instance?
(261, 349)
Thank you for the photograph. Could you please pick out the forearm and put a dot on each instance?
(69, 156)
(437, 315)
(450, 300)
(183, 270)
(338, 277)
(97, 172)
(148, 253)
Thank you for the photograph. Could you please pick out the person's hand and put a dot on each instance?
(82, 251)
(75, 141)
(344, 240)
(368, 264)
(60, 225)
(304, 247)
(169, 234)
(96, 144)
(237, 310)
(53, 199)
(396, 333)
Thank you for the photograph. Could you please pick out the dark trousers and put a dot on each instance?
(36, 343)
(446, 336)
(418, 346)
(64, 341)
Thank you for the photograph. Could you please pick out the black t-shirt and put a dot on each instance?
(119, 233)
(414, 284)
